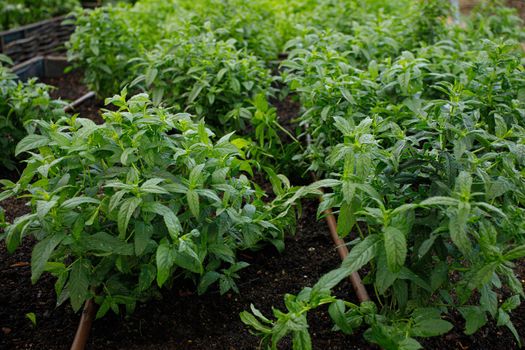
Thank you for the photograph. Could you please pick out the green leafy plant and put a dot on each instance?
(21, 105)
(14, 13)
(422, 153)
(106, 38)
(32, 318)
(205, 76)
(123, 208)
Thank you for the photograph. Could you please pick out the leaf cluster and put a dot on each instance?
(21, 105)
(15, 13)
(121, 209)
(420, 142)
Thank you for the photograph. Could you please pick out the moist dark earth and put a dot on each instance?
(69, 87)
(184, 320)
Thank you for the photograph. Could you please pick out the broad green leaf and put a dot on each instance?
(41, 253)
(446, 201)
(302, 340)
(475, 318)
(464, 183)
(143, 233)
(124, 215)
(345, 220)
(336, 310)
(359, 256)
(115, 199)
(31, 142)
(78, 285)
(481, 276)
(188, 260)
(381, 335)
(15, 231)
(489, 300)
(516, 253)
(197, 88)
(250, 320)
(146, 277)
(511, 303)
(439, 275)
(43, 208)
(195, 175)
(151, 74)
(208, 279)
(152, 186)
(193, 202)
(347, 95)
(458, 228)
(395, 248)
(106, 243)
(165, 261)
(426, 245)
(410, 344)
(125, 155)
(170, 218)
(384, 277)
(431, 328)
(72, 203)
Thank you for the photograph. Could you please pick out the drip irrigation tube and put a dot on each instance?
(84, 327)
(79, 101)
(88, 313)
(342, 250)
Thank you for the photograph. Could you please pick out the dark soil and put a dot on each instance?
(184, 320)
(70, 87)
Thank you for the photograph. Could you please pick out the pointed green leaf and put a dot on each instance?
(165, 261)
(31, 142)
(126, 211)
(475, 318)
(41, 253)
(78, 285)
(193, 202)
(395, 248)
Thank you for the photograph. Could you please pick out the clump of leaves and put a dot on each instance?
(204, 76)
(423, 154)
(106, 38)
(120, 209)
(21, 104)
(14, 13)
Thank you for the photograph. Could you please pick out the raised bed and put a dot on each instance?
(41, 67)
(41, 38)
(68, 86)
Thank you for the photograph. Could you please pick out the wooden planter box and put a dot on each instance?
(38, 39)
(48, 67)
(41, 67)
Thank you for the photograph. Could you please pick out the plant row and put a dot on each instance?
(417, 127)
(414, 124)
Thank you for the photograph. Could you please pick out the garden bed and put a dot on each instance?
(69, 86)
(184, 320)
(39, 38)
(437, 257)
